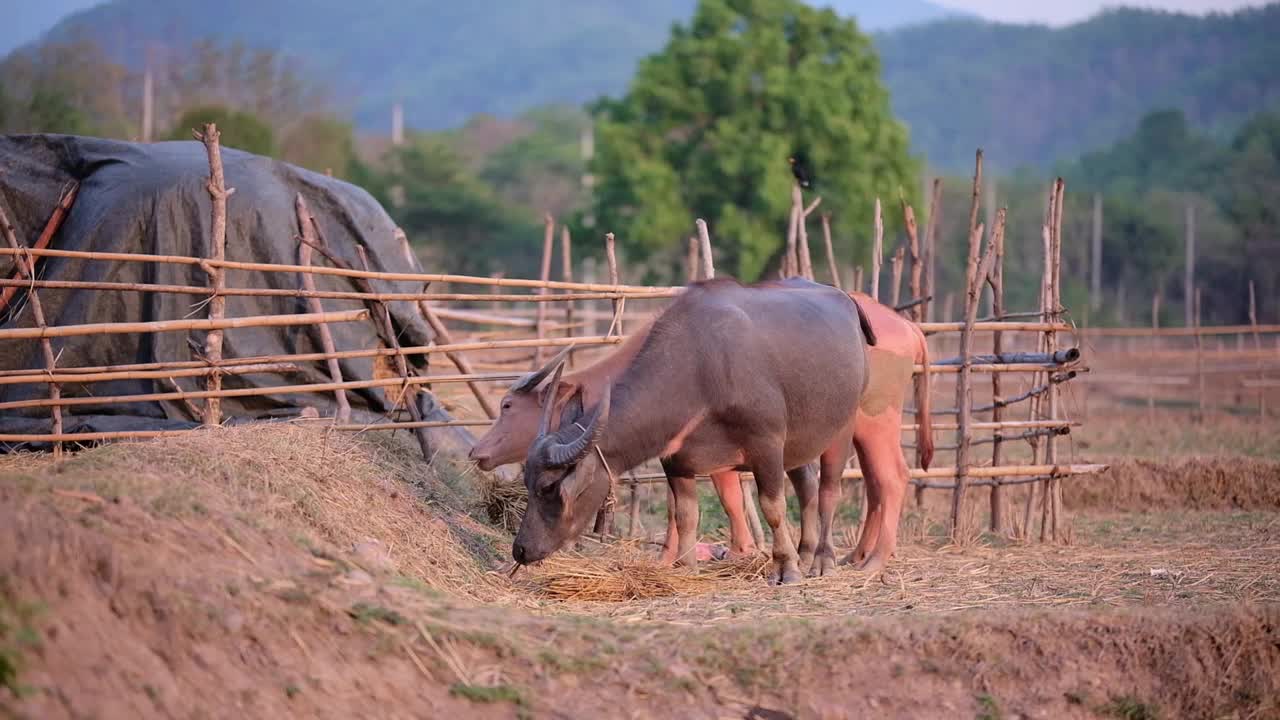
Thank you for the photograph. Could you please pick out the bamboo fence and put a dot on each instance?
(1048, 368)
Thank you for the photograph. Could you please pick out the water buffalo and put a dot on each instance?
(765, 378)
(876, 437)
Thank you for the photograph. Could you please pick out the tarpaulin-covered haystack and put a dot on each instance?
(154, 199)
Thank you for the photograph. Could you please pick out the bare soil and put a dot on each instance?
(284, 572)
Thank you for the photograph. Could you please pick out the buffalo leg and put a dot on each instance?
(729, 489)
(871, 513)
(670, 546)
(886, 471)
(805, 482)
(832, 467)
(770, 480)
(684, 489)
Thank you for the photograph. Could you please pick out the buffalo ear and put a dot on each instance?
(572, 411)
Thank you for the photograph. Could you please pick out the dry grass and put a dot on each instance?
(327, 488)
(628, 571)
(503, 501)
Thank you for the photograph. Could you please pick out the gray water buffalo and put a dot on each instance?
(764, 378)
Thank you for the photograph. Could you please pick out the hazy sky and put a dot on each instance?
(1065, 11)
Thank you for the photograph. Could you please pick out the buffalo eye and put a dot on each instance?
(506, 404)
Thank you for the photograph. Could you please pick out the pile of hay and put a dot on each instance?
(503, 502)
(627, 572)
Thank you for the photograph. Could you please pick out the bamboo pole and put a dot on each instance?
(877, 253)
(981, 473)
(308, 234)
(217, 276)
(26, 268)
(50, 229)
(255, 391)
(1155, 326)
(831, 253)
(895, 264)
(71, 374)
(566, 274)
(1036, 491)
(1257, 346)
(75, 378)
(548, 243)
(975, 274)
(611, 257)
(996, 279)
(201, 291)
(791, 262)
(917, 269)
(806, 255)
(1200, 398)
(930, 248)
(402, 365)
(604, 516)
(1057, 513)
(636, 290)
(153, 326)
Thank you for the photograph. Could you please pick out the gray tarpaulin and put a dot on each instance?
(152, 199)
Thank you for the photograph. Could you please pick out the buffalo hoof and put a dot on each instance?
(823, 564)
(853, 559)
(806, 563)
(786, 574)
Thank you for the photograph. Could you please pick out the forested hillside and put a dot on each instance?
(1030, 95)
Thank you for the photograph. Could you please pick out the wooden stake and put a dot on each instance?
(392, 340)
(974, 281)
(611, 255)
(27, 269)
(1155, 327)
(1257, 346)
(877, 253)
(1199, 359)
(548, 241)
(917, 269)
(831, 253)
(895, 265)
(308, 234)
(857, 278)
(1058, 520)
(996, 280)
(930, 248)
(791, 263)
(704, 243)
(806, 255)
(50, 229)
(566, 274)
(218, 276)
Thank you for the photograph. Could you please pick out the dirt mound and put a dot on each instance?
(280, 571)
(1215, 483)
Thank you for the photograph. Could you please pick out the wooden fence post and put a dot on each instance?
(307, 233)
(566, 272)
(1155, 328)
(217, 275)
(877, 252)
(548, 243)
(975, 272)
(604, 517)
(1200, 399)
(806, 255)
(996, 279)
(26, 265)
(691, 261)
(917, 270)
(791, 262)
(1257, 346)
(931, 249)
(895, 265)
(831, 253)
(1051, 346)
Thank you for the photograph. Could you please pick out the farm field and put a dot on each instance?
(290, 571)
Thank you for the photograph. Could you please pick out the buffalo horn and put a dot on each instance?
(533, 379)
(563, 454)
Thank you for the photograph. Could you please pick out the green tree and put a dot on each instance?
(708, 124)
(321, 142)
(240, 130)
(444, 209)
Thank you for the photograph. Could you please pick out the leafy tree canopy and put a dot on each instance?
(708, 124)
